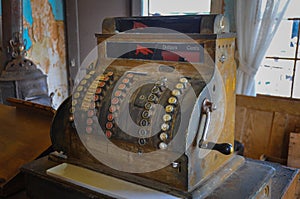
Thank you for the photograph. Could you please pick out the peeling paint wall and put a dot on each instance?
(45, 36)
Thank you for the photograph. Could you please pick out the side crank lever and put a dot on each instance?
(224, 148)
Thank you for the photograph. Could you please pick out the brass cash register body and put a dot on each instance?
(100, 96)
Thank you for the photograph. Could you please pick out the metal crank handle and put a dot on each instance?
(224, 148)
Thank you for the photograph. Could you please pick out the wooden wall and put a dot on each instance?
(263, 125)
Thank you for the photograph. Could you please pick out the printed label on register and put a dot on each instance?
(179, 52)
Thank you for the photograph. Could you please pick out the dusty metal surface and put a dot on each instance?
(253, 180)
(282, 179)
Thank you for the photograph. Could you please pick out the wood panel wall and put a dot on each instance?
(264, 123)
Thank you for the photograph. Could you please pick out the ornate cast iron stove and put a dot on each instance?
(21, 78)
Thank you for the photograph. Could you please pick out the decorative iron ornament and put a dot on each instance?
(19, 68)
(18, 45)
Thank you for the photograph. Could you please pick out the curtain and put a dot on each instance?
(256, 24)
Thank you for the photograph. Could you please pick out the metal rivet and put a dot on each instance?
(71, 118)
(175, 165)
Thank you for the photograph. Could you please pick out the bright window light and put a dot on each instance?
(175, 7)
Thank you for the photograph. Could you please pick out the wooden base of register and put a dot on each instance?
(254, 179)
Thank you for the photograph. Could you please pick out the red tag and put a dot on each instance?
(143, 50)
(138, 25)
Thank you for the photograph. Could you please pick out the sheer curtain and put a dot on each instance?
(256, 24)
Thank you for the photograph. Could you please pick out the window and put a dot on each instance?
(175, 7)
(279, 73)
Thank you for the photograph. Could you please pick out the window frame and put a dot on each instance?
(295, 59)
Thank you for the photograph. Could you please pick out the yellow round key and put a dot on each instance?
(167, 117)
(74, 102)
(165, 127)
(92, 72)
(76, 95)
(176, 93)
(163, 136)
(179, 86)
(183, 80)
(83, 82)
(79, 88)
(172, 100)
(163, 145)
(169, 109)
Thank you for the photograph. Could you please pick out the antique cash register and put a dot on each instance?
(152, 117)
